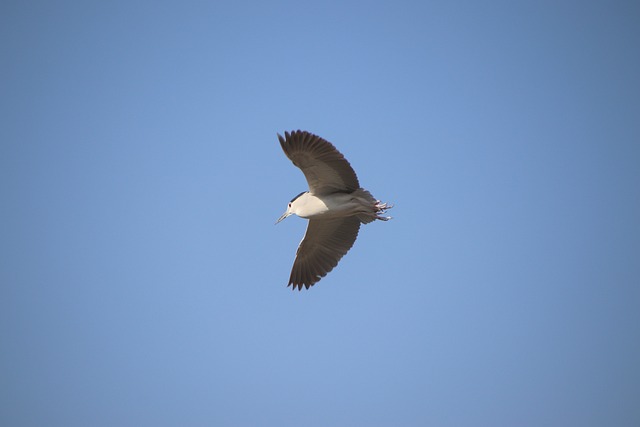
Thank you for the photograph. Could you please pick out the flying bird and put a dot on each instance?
(335, 206)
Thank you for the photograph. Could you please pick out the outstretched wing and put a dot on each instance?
(324, 167)
(324, 244)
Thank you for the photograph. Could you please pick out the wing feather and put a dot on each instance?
(324, 167)
(325, 242)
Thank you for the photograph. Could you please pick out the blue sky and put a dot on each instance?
(144, 283)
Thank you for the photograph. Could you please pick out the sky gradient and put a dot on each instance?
(142, 279)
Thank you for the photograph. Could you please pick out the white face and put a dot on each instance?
(286, 214)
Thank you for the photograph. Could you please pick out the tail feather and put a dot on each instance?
(372, 207)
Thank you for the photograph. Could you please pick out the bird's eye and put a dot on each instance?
(289, 204)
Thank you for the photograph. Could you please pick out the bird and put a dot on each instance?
(335, 206)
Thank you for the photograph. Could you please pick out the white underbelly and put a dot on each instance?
(340, 205)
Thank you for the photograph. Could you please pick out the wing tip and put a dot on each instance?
(299, 285)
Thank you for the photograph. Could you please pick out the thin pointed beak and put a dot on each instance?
(284, 215)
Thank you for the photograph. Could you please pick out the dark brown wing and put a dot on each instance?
(324, 243)
(326, 169)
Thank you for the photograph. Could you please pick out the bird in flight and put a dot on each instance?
(335, 206)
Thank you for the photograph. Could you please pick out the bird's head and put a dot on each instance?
(291, 207)
(286, 214)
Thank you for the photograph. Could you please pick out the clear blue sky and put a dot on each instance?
(143, 281)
